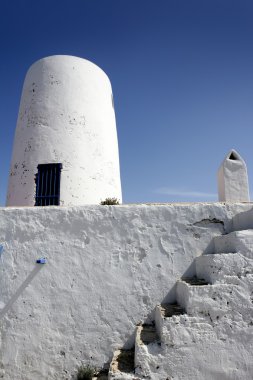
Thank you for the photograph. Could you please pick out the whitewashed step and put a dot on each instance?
(147, 349)
(237, 241)
(182, 330)
(164, 315)
(215, 267)
(231, 299)
(207, 300)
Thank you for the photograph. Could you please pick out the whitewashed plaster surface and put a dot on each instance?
(213, 340)
(233, 183)
(66, 116)
(107, 269)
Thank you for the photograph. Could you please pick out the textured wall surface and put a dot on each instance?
(66, 116)
(107, 268)
(233, 183)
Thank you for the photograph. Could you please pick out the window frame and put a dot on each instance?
(48, 180)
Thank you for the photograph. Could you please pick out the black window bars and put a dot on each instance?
(48, 185)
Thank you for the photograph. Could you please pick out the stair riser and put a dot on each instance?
(181, 330)
(213, 268)
(224, 244)
(204, 300)
(141, 360)
(243, 221)
(187, 332)
(159, 321)
(241, 242)
(164, 325)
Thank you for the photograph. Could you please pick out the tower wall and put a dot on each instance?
(66, 116)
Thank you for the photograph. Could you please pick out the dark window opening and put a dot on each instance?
(48, 185)
(233, 156)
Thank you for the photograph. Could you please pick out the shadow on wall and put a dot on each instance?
(20, 290)
(171, 295)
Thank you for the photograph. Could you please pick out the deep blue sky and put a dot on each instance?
(182, 77)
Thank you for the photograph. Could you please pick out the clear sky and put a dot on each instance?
(182, 78)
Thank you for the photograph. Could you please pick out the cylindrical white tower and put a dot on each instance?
(66, 120)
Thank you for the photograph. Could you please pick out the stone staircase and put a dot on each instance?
(209, 331)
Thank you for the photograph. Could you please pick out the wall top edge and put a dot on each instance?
(128, 205)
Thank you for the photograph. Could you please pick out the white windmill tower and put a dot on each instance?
(65, 150)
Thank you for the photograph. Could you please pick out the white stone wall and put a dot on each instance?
(107, 268)
(212, 339)
(66, 116)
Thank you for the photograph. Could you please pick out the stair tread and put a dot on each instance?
(195, 281)
(126, 361)
(217, 254)
(172, 309)
(148, 334)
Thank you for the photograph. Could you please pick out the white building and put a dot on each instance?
(65, 137)
(167, 286)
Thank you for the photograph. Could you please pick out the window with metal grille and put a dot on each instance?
(48, 185)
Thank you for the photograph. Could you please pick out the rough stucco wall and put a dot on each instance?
(107, 269)
(66, 116)
(233, 179)
(214, 339)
